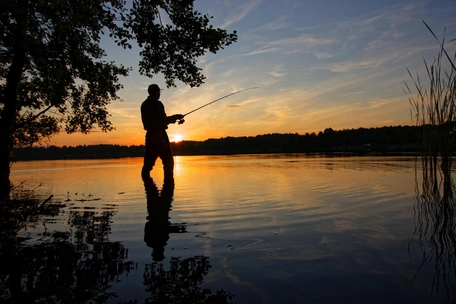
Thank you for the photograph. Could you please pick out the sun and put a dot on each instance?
(177, 138)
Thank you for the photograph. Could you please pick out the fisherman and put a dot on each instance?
(156, 122)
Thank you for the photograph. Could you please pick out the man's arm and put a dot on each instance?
(174, 118)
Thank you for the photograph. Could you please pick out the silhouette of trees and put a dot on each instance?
(384, 139)
(53, 72)
(362, 140)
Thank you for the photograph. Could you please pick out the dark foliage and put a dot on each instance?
(54, 74)
(362, 140)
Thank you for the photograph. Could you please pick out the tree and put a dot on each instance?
(53, 72)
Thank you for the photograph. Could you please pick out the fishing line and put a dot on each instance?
(181, 121)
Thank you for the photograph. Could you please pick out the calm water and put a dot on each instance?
(262, 228)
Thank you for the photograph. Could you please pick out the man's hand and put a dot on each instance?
(176, 117)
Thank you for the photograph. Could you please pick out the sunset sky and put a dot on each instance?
(320, 64)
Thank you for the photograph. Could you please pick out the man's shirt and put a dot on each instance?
(153, 115)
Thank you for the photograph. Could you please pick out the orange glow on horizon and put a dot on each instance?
(177, 138)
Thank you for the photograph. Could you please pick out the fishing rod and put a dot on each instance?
(181, 121)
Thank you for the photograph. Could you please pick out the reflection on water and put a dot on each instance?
(435, 226)
(182, 282)
(90, 226)
(75, 266)
(265, 228)
(81, 264)
(158, 227)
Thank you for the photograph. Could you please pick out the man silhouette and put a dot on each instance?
(155, 122)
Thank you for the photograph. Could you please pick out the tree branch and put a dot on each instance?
(34, 117)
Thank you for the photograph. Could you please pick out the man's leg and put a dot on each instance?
(149, 162)
(168, 165)
(150, 156)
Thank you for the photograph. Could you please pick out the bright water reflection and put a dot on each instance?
(264, 228)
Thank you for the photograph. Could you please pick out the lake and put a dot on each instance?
(274, 228)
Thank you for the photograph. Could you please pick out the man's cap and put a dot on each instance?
(153, 88)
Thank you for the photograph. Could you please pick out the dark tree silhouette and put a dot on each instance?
(384, 139)
(53, 72)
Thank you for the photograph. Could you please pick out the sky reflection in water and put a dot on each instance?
(264, 228)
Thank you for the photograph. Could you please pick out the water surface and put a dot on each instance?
(263, 228)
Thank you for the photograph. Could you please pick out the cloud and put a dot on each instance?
(277, 24)
(240, 14)
(349, 66)
(275, 76)
(256, 52)
(377, 31)
(302, 42)
(277, 72)
(323, 55)
(208, 68)
(374, 112)
(381, 28)
(125, 113)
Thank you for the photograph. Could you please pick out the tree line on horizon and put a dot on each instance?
(362, 140)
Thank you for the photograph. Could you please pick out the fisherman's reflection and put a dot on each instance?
(158, 227)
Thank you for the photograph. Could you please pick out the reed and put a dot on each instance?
(434, 111)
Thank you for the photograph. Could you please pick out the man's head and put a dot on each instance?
(154, 90)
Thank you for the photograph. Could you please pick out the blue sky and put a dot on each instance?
(320, 64)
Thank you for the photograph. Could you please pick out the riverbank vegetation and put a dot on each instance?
(393, 139)
(434, 107)
(433, 101)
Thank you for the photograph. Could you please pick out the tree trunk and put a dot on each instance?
(10, 100)
(5, 143)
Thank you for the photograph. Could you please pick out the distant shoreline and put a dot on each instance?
(397, 140)
(329, 154)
